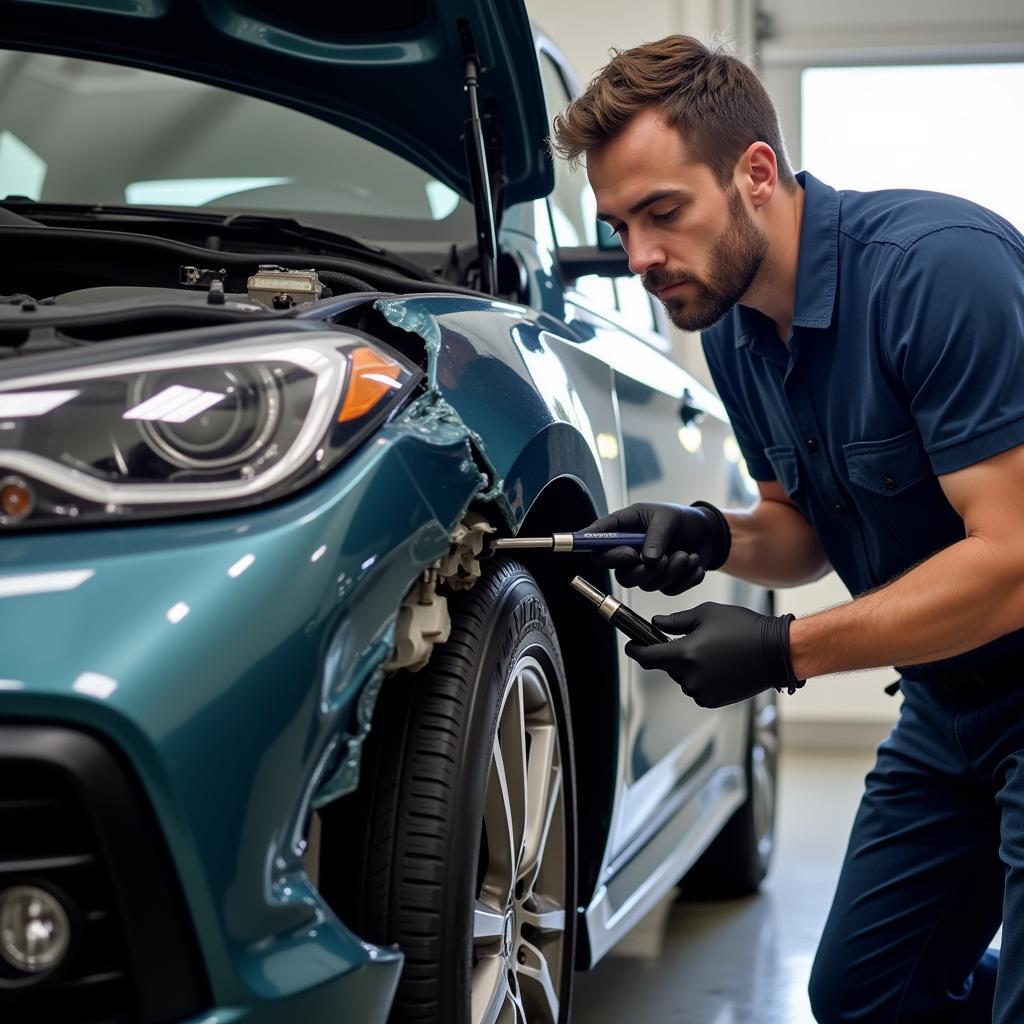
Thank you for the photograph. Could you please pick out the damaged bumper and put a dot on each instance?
(232, 664)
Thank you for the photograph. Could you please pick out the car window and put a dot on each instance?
(574, 221)
(571, 204)
(634, 303)
(573, 208)
(81, 131)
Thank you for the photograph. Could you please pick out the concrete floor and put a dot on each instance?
(746, 961)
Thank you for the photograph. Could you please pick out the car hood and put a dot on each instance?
(391, 71)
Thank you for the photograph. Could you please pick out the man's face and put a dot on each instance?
(693, 242)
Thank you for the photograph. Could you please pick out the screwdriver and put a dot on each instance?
(574, 541)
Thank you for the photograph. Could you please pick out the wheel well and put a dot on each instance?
(590, 670)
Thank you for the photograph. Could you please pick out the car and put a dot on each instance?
(299, 316)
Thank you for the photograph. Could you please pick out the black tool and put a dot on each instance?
(624, 619)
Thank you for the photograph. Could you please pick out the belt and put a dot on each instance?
(984, 677)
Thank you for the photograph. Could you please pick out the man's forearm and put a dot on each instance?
(960, 598)
(774, 545)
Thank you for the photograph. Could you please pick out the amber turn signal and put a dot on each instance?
(371, 377)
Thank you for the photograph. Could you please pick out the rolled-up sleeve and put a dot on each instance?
(954, 335)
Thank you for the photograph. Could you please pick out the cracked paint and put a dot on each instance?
(432, 417)
(431, 413)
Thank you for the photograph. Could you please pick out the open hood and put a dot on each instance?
(392, 71)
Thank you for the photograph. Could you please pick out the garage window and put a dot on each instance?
(946, 128)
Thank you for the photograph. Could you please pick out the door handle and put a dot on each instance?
(689, 410)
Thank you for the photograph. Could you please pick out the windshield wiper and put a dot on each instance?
(233, 224)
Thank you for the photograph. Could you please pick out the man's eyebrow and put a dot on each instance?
(648, 200)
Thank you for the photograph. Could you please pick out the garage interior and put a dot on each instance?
(872, 94)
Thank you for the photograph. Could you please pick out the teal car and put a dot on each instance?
(297, 317)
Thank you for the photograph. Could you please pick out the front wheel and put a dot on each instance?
(461, 843)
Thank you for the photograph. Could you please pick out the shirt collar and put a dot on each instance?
(817, 265)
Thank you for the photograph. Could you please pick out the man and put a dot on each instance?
(869, 349)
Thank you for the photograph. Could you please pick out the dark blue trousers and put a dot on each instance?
(934, 864)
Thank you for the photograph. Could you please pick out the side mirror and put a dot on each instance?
(578, 261)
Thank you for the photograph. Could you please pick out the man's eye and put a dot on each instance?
(664, 218)
(620, 230)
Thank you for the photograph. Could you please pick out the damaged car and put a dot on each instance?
(298, 316)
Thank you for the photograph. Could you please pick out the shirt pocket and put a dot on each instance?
(890, 466)
(787, 468)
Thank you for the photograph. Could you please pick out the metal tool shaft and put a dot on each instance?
(573, 542)
(606, 604)
(523, 542)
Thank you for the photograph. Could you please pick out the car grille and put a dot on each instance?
(46, 839)
(74, 822)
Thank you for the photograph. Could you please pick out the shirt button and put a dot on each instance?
(812, 445)
(840, 511)
(888, 483)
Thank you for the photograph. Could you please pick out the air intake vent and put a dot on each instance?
(47, 840)
(74, 832)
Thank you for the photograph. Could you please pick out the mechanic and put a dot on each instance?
(869, 349)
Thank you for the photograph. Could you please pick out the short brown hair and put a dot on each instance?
(715, 100)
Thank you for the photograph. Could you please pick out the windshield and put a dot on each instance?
(80, 131)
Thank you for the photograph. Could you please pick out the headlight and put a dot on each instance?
(216, 426)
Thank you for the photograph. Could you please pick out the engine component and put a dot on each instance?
(279, 288)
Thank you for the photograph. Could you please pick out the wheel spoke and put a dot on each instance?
(536, 984)
(763, 784)
(543, 790)
(512, 741)
(534, 856)
(763, 770)
(489, 989)
(766, 726)
(501, 847)
(488, 923)
(516, 1000)
(545, 916)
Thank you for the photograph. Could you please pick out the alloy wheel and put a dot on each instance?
(519, 919)
(764, 767)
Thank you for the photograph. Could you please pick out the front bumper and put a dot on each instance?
(220, 660)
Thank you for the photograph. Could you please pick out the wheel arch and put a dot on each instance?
(591, 672)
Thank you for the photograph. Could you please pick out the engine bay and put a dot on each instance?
(144, 273)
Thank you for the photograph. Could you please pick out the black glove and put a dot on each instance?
(682, 542)
(729, 653)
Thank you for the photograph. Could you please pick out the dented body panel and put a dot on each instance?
(280, 663)
(498, 365)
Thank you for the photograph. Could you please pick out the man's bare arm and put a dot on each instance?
(772, 543)
(961, 597)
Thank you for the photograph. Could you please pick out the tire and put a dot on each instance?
(473, 876)
(738, 859)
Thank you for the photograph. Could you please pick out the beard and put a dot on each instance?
(735, 259)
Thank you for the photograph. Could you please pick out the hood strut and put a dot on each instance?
(479, 174)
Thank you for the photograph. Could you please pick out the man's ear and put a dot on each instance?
(758, 172)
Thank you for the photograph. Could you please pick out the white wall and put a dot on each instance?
(585, 30)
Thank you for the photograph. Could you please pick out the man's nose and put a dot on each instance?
(643, 254)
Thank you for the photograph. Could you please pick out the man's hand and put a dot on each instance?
(729, 653)
(681, 542)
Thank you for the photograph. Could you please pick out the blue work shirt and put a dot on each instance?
(905, 362)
